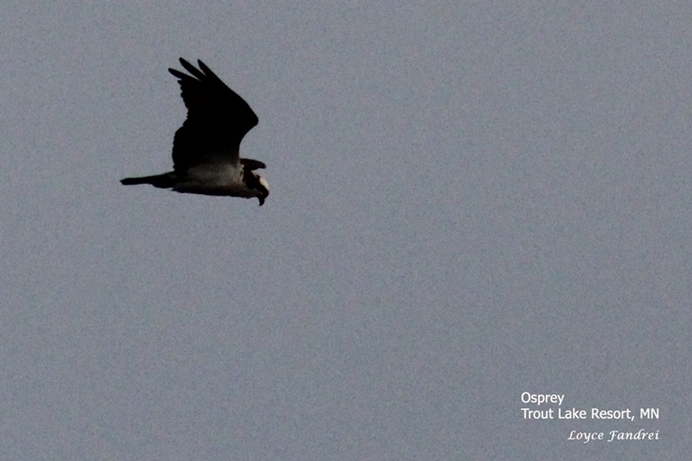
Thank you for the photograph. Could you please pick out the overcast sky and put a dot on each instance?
(469, 201)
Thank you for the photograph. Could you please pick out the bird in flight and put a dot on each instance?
(206, 149)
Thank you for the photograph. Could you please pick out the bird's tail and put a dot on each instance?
(163, 181)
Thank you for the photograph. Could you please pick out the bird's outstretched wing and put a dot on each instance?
(217, 119)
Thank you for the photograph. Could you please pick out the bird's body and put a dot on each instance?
(206, 149)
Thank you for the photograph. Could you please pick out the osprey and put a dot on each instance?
(206, 149)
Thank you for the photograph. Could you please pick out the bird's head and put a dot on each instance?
(263, 188)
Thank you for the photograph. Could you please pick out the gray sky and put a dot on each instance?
(470, 200)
